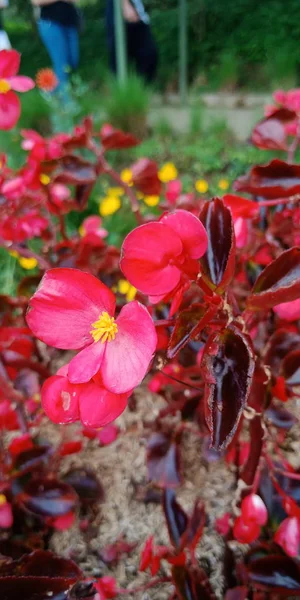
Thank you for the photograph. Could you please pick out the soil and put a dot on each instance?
(121, 469)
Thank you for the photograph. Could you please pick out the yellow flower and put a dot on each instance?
(223, 184)
(126, 176)
(140, 195)
(81, 230)
(3, 499)
(14, 253)
(115, 191)
(125, 288)
(201, 186)
(44, 179)
(151, 200)
(28, 263)
(109, 205)
(168, 172)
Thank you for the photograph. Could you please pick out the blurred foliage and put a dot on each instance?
(260, 38)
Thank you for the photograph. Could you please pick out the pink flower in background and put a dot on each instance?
(288, 535)
(10, 82)
(91, 228)
(241, 230)
(173, 190)
(155, 255)
(73, 310)
(289, 311)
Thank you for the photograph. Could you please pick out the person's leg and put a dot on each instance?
(55, 41)
(110, 35)
(142, 49)
(73, 47)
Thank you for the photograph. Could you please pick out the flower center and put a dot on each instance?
(4, 86)
(104, 329)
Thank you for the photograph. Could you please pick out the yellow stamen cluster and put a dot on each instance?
(104, 329)
(4, 86)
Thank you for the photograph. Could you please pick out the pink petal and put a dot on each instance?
(65, 305)
(190, 230)
(289, 311)
(98, 407)
(60, 399)
(9, 63)
(86, 363)
(20, 83)
(127, 357)
(10, 110)
(146, 255)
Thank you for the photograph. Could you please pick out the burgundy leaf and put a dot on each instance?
(34, 588)
(145, 176)
(176, 517)
(163, 460)
(42, 563)
(256, 444)
(280, 417)
(237, 593)
(276, 574)
(291, 369)
(114, 139)
(280, 344)
(192, 584)
(195, 526)
(276, 179)
(218, 263)
(48, 498)
(82, 194)
(34, 458)
(269, 133)
(228, 367)
(75, 170)
(85, 484)
(187, 323)
(278, 282)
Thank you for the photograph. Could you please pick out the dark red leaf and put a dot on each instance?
(276, 179)
(176, 517)
(218, 263)
(291, 369)
(192, 584)
(145, 176)
(276, 574)
(32, 459)
(75, 170)
(163, 460)
(280, 344)
(85, 484)
(278, 282)
(280, 417)
(256, 445)
(186, 324)
(34, 588)
(114, 139)
(82, 194)
(42, 563)
(48, 498)
(195, 526)
(269, 133)
(228, 366)
(237, 593)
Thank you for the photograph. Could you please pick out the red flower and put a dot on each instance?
(245, 532)
(74, 310)
(10, 82)
(106, 588)
(155, 255)
(289, 311)
(20, 444)
(114, 139)
(288, 536)
(46, 80)
(65, 402)
(254, 510)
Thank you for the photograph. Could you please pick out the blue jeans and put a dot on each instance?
(62, 45)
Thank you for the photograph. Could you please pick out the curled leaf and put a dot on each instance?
(278, 282)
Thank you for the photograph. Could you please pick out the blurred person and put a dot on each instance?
(141, 48)
(4, 39)
(58, 25)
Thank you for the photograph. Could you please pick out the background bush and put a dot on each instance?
(266, 35)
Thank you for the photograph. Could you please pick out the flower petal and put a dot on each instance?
(190, 230)
(65, 305)
(21, 83)
(127, 357)
(9, 63)
(60, 399)
(98, 407)
(146, 255)
(10, 110)
(86, 363)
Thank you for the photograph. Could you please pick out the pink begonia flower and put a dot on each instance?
(10, 82)
(173, 190)
(241, 230)
(73, 310)
(289, 311)
(154, 255)
(91, 226)
(65, 402)
(288, 536)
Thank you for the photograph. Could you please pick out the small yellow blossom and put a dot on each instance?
(81, 231)
(140, 195)
(223, 184)
(128, 290)
(126, 176)
(3, 499)
(201, 186)
(115, 191)
(109, 205)
(44, 179)
(168, 172)
(14, 253)
(151, 200)
(36, 397)
(28, 263)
